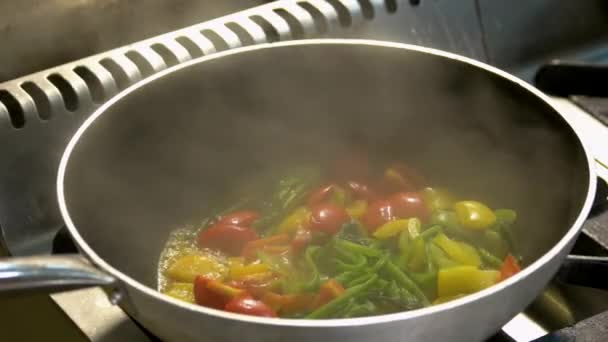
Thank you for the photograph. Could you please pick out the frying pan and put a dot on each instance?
(160, 153)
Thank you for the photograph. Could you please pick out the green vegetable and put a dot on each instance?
(440, 258)
(330, 308)
(505, 216)
(489, 259)
(402, 279)
(357, 248)
(432, 231)
(315, 281)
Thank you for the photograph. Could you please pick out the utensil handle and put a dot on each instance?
(49, 273)
(589, 271)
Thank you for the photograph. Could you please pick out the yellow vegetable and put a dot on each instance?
(390, 229)
(474, 215)
(183, 291)
(236, 261)
(297, 219)
(436, 199)
(186, 268)
(357, 209)
(459, 251)
(242, 271)
(464, 279)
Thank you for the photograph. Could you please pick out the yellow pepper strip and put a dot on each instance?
(464, 279)
(459, 251)
(299, 218)
(186, 268)
(182, 291)
(224, 290)
(390, 229)
(436, 199)
(474, 215)
(446, 299)
(240, 271)
(236, 261)
(357, 209)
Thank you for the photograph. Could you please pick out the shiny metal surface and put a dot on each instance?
(54, 273)
(35, 128)
(180, 321)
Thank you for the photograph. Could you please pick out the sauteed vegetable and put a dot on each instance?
(351, 242)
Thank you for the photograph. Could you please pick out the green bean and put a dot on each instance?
(489, 258)
(357, 281)
(405, 281)
(334, 305)
(313, 283)
(357, 248)
(354, 266)
(346, 277)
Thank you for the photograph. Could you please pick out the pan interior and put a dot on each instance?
(160, 157)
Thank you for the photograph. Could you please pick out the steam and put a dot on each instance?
(163, 155)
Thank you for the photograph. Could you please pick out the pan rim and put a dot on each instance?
(558, 248)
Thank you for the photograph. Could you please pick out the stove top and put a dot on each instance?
(39, 112)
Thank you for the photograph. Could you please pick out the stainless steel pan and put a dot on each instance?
(157, 155)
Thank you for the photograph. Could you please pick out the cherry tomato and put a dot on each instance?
(377, 214)
(226, 237)
(243, 218)
(249, 306)
(327, 218)
(320, 195)
(399, 176)
(362, 191)
(212, 293)
(509, 267)
(353, 166)
(301, 240)
(408, 205)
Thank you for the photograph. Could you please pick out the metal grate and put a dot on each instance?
(39, 112)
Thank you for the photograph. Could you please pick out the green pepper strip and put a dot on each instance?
(405, 281)
(430, 232)
(334, 305)
(354, 266)
(489, 258)
(357, 248)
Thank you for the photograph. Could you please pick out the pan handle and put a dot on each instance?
(589, 271)
(49, 273)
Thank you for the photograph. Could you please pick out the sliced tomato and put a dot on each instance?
(327, 218)
(301, 240)
(353, 166)
(213, 293)
(509, 267)
(401, 177)
(226, 237)
(362, 191)
(249, 251)
(320, 195)
(377, 214)
(247, 305)
(243, 218)
(408, 205)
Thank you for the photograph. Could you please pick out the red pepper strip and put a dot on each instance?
(509, 267)
(213, 293)
(226, 237)
(329, 290)
(247, 305)
(251, 247)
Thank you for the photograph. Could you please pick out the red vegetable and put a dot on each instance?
(249, 306)
(320, 195)
(362, 191)
(213, 293)
(377, 214)
(399, 176)
(329, 290)
(301, 240)
(509, 267)
(249, 251)
(327, 218)
(408, 205)
(242, 218)
(226, 237)
(353, 166)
